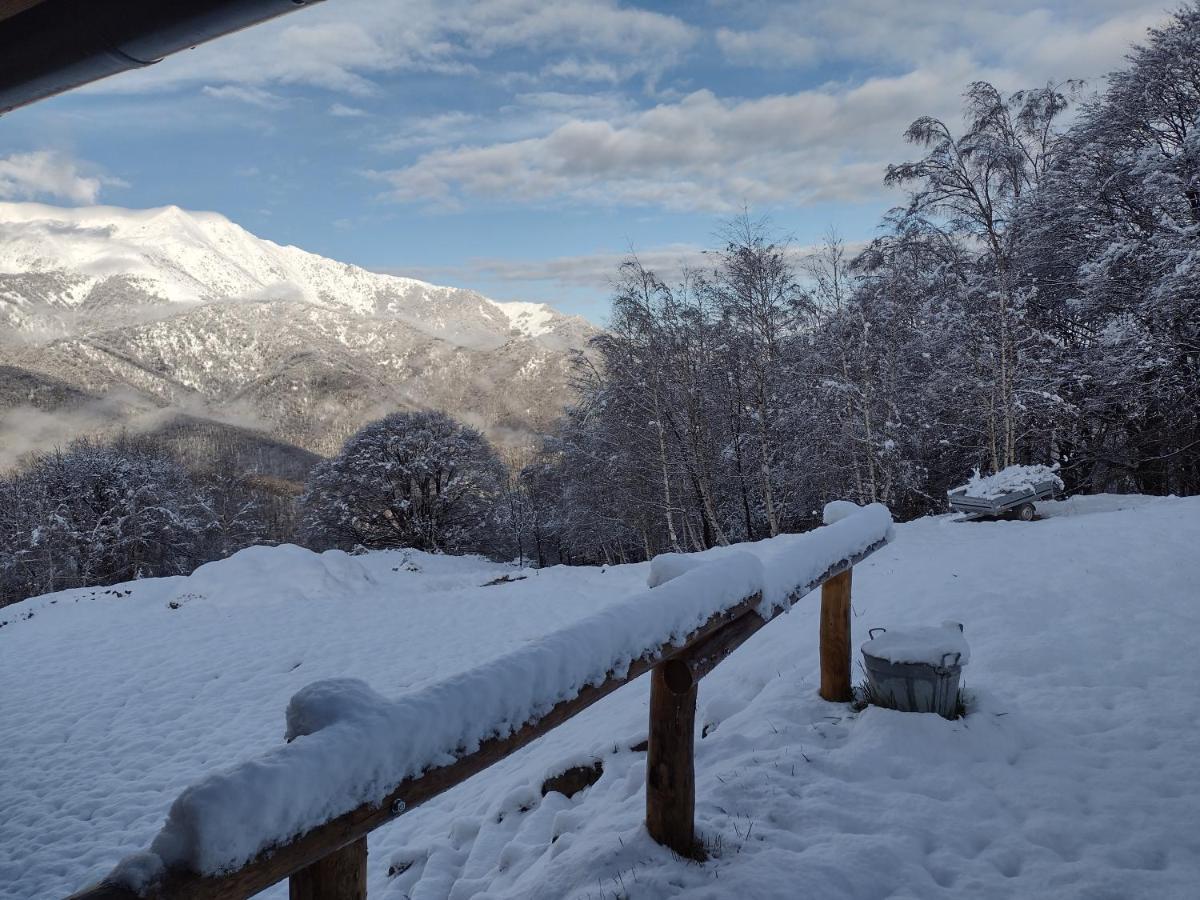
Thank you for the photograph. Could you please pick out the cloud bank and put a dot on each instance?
(50, 174)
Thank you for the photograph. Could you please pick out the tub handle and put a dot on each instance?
(871, 632)
(956, 654)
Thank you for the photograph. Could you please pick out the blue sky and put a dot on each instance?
(521, 147)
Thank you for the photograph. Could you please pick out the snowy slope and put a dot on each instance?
(1073, 776)
(186, 257)
(188, 310)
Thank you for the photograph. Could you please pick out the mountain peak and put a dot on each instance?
(192, 311)
(183, 256)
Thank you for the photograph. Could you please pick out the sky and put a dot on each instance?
(522, 148)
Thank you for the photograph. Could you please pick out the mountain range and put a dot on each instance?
(120, 315)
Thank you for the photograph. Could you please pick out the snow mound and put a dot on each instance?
(1013, 478)
(669, 566)
(836, 510)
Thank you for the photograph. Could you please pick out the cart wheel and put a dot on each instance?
(1025, 512)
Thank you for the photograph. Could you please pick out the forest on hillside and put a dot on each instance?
(1035, 299)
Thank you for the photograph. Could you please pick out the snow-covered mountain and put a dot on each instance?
(189, 309)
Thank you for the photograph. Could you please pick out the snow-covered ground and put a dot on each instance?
(1075, 774)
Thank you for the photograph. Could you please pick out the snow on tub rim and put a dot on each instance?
(226, 819)
(929, 645)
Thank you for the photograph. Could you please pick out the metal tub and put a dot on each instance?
(915, 687)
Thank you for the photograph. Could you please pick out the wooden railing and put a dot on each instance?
(329, 862)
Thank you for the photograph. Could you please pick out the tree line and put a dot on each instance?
(98, 513)
(1035, 299)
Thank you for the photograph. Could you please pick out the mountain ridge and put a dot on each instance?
(191, 309)
(199, 257)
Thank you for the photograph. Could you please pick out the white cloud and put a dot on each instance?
(243, 94)
(828, 142)
(1089, 52)
(527, 115)
(593, 271)
(345, 46)
(1067, 39)
(540, 133)
(767, 47)
(50, 174)
(579, 70)
(430, 131)
(700, 153)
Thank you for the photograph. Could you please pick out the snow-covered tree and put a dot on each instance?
(95, 514)
(415, 479)
(763, 306)
(232, 507)
(1034, 301)
(1113, 246)
(978, 184)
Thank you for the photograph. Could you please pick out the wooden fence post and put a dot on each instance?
(670, 763)
(835, 638)
(342, 875)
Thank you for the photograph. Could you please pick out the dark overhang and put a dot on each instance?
(50, 46)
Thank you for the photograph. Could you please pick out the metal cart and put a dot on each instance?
(1018, 504)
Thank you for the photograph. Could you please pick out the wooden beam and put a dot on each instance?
(835, 639)
(670, 762)
(342, 875)
(705, 655)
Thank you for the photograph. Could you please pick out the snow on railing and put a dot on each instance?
(348, 747)
(792, 561)
(224, 820)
